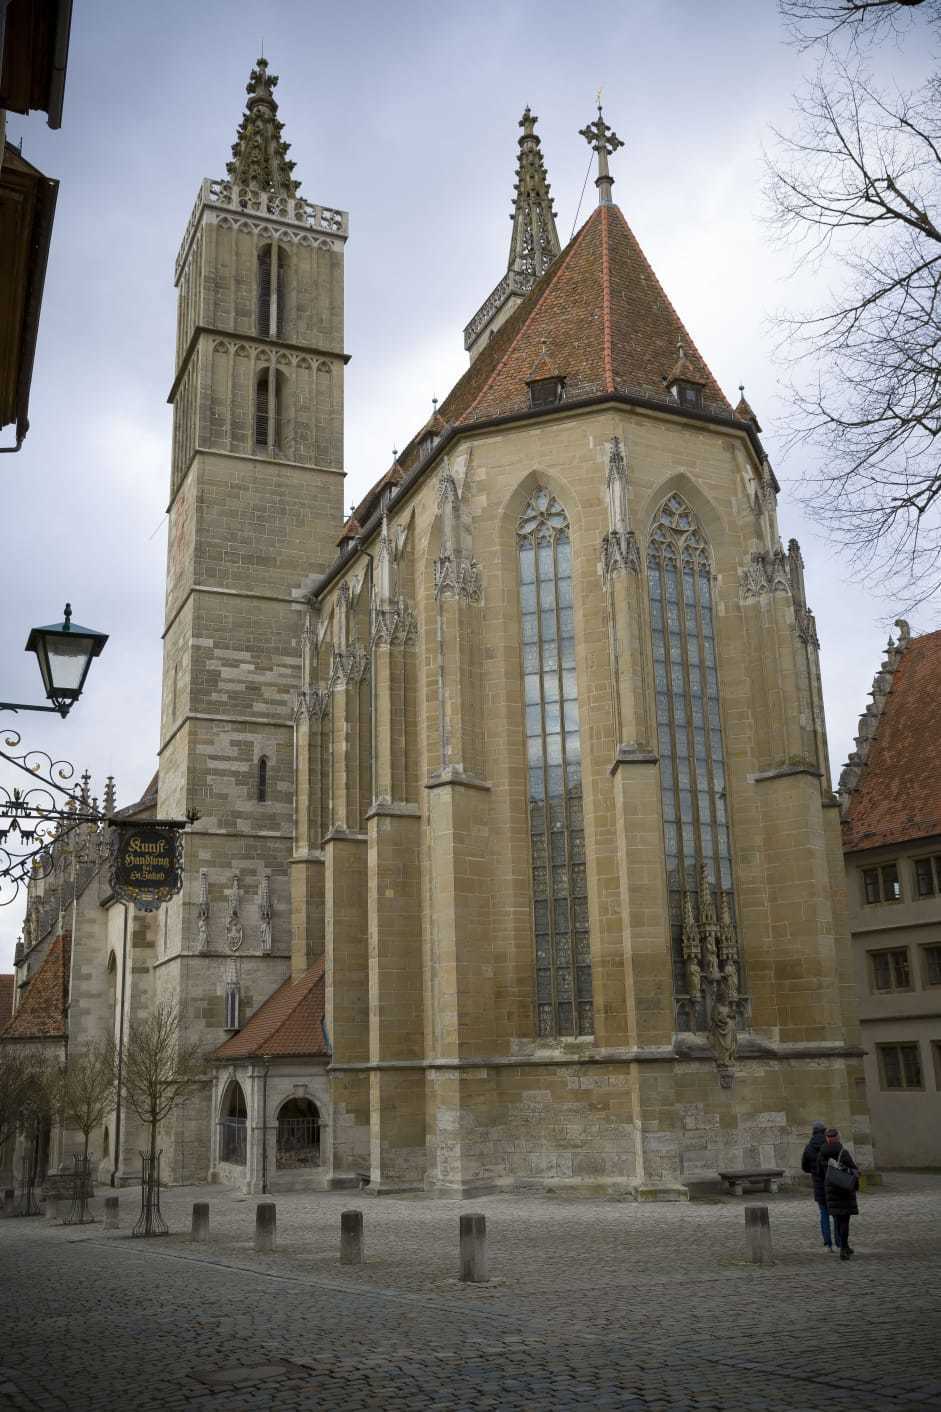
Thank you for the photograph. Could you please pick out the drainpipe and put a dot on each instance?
(266, 1061)
(117, 1114)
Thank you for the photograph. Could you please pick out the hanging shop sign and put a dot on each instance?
(146, 862)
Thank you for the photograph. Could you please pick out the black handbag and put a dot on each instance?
(841, 1178)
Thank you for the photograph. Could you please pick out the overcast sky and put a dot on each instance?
(406, 116)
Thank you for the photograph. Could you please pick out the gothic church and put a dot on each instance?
(517, 859)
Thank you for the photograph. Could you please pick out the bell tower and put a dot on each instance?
(256, 498)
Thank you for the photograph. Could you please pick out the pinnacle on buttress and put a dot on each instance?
(259, 153)
(534, 243)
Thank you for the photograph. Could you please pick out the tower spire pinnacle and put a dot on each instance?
(534, 243)
(604, 140)
(259, 153)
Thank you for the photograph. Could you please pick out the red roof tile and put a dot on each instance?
(289, 1023)
(610, 327)
(899, 792)
(7, 990)
(42, 1010)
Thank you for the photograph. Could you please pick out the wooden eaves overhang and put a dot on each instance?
(27, 208)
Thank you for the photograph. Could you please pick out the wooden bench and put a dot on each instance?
(757, 1179)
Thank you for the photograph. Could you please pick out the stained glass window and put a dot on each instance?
(554, 771)
(692, 758)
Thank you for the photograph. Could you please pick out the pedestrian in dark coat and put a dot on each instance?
(818, 1140)
(841, 1203)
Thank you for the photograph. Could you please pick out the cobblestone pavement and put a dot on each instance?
(592, 1304)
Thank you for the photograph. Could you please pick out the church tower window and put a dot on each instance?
(270, 291)
(263, 780)
(692, 758)
(264, 291)
(269, 395)
(560, 892)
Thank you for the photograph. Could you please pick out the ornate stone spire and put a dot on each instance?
(259, 153)
(534, 243)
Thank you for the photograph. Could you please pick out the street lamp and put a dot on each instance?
(64, 652)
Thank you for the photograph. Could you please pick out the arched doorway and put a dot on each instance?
(298, 1135)
(233, 1125)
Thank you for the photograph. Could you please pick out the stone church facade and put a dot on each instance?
(517, 860)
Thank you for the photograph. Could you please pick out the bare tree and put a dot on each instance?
(859, 184)
(85, 1089)
(826, 21)
(13, 1086)
(159, 1068)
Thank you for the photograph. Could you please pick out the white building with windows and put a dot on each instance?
(891, 796)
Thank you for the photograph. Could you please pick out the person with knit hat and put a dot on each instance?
(840, 1173)
(809, 1163)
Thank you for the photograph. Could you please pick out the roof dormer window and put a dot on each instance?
(688, 394)
(546, 392)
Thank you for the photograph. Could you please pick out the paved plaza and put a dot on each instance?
(591, 1304)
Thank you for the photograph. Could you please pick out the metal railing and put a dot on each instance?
(232, 1146)
(298, 1143)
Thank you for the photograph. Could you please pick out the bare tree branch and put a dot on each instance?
(85, 1089)
(811, 22)
(160, 1067)
(857, 186)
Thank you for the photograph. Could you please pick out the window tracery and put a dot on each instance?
(692, 765)
(553, 742)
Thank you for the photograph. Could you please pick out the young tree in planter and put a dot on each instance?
(13, 1072)
(84, 1094)
(158, 1072)
(33, 1117)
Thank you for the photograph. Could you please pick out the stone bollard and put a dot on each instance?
(52, 1211)
(351, 1238)
(474, 1249)
(758, 1234)
(266, 1224)
(111, 1222)
(201, 1221)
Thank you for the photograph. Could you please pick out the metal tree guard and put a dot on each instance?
(28, 1205)
(150, 1222)
(81, 1188)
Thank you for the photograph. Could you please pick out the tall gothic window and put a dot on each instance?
(272, 268)
(560, 891)
(692, 759)
(262, 783)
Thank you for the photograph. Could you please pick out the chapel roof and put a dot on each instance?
(607, 320)
(43, 1008)
(898, 793)
(7, 989)
(290, 1022)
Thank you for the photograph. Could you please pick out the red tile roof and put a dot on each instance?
(606, 322)
(42, 1010)
(7, 991)
(898, 796)
(289, 1023)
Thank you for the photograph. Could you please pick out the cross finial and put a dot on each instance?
(604, 140)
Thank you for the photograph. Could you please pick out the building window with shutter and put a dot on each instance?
(881, 884)
(931, 962)
(554, 773)
(890, 970)
(899, 1066)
